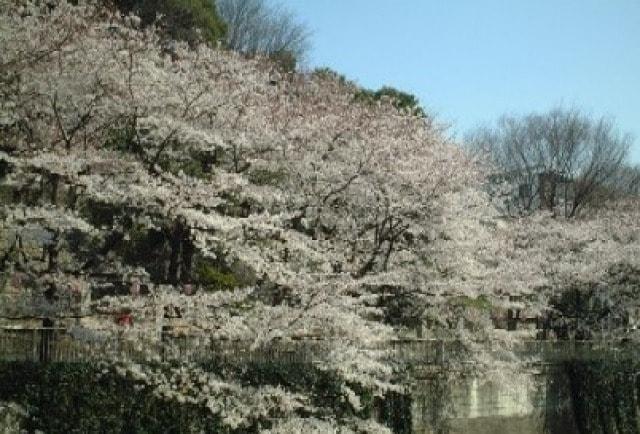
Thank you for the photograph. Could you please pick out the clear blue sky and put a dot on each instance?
(469, 61)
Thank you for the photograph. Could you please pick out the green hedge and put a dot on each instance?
(84, 398)
(77, 398)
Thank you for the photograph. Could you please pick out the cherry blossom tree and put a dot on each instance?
(305, 196)
(277, 206)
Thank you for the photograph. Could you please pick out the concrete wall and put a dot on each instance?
(533, 402)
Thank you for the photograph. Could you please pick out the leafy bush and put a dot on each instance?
(401, 100)
(329, 74)
(100, 213)
(480, 302)
(190, 167)
(4, 169)
(325, 387)
(267, 177)
(213, 278)
(285, 60)
(122, 139)
(74, 398)
(185, 20)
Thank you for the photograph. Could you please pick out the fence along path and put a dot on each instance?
(62, 345)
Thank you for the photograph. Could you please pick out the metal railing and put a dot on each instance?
(59, 345)
(40, 345)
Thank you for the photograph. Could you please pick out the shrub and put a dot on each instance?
(267, 177)
(214, 278)
(185, 20)
(481, 302)
(401, 100)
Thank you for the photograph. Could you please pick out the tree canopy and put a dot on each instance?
(263, 207)
(560, 160)
(400, 99)
(198, 193)
(260, 27)
(184, 20)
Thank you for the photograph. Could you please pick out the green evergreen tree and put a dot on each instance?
(185, 20)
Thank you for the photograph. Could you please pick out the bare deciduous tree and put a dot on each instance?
(254, 26)
(628, 181)
(561, 160)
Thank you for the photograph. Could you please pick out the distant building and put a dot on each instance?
(527, 190)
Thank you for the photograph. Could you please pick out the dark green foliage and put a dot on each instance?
(194, 167)
(438, 401)
(196, 164)
(266, 176)
(7, 194)
(146, 248)
(3, 281)
(481, 302)
(605, 395)
(400, 308)
(581, 310)
(185, 20)
(329, 74)
(123, 138)
(6, 191)
(5, 169)
(626, 279)
(77, 398)
(285, 60)
(238, 206)
(166, 253)
(213, 277)
(190, 168)
(297, 377)
(395, 412)
(83, 398)
(100, 214)
(82, 245)
(324, 388)
(605, 389)
(401, 100)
